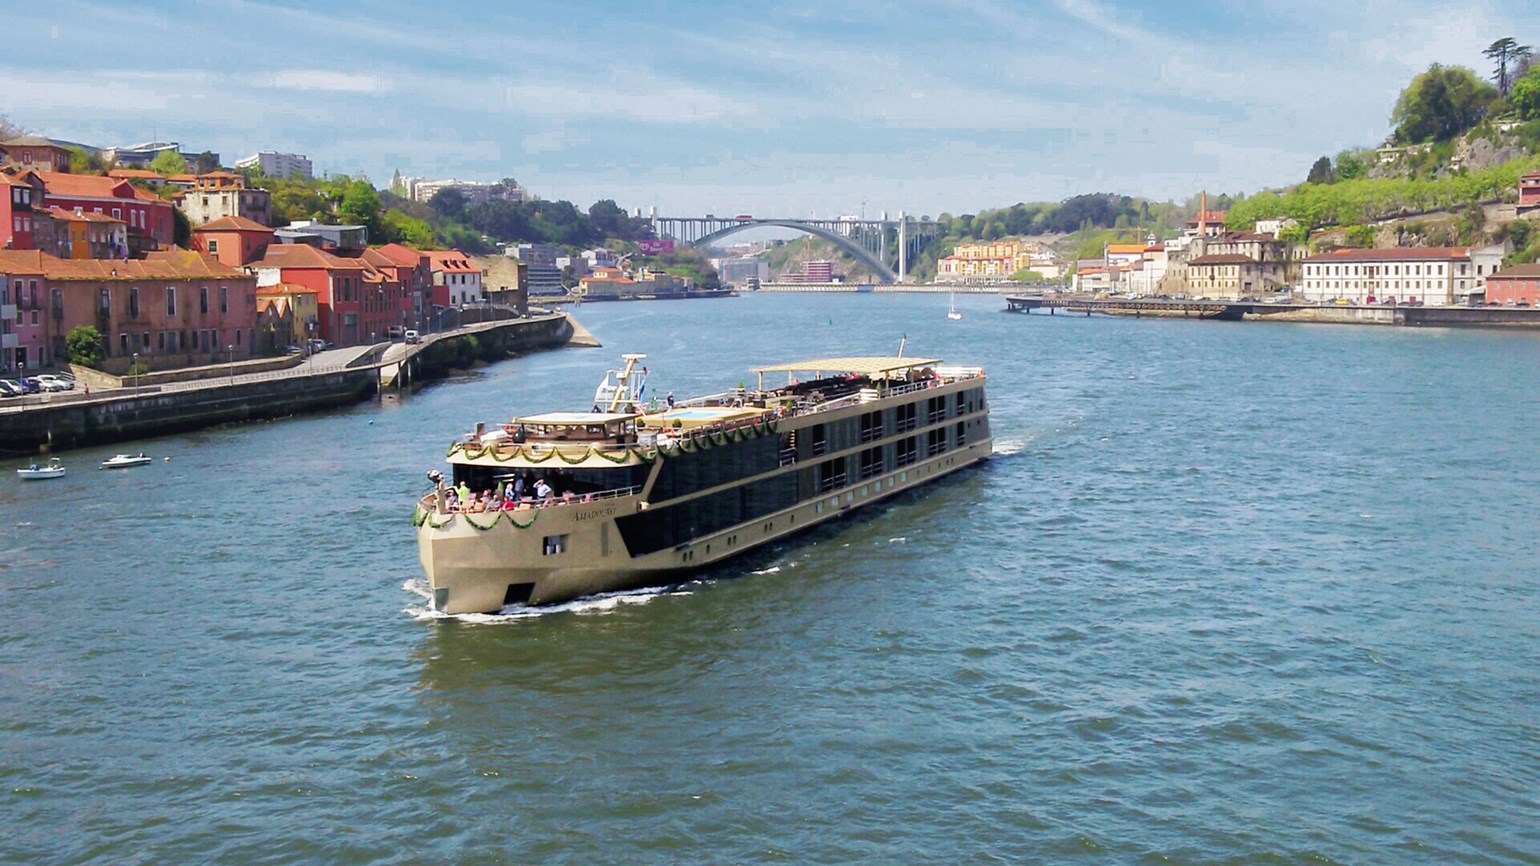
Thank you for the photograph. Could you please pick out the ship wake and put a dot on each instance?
(588, 604)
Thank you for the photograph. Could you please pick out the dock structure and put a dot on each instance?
(1234, 311)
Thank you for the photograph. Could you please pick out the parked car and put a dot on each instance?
(10, 388)
(51, 382)
(413, 337)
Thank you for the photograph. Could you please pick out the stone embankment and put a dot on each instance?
(111, 415)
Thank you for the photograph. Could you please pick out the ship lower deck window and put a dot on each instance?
(555, 544)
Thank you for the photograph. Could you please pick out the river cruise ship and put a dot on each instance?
(550, 507)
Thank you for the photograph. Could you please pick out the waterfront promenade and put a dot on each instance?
(330, 378)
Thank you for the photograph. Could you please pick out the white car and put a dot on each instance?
(50, 382)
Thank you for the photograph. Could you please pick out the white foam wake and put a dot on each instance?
(589, 604)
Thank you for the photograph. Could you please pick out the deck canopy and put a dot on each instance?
(859, 366)
(575, 419)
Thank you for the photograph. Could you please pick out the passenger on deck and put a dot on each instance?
(543, 492)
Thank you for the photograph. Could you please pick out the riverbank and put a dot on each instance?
(132, 413)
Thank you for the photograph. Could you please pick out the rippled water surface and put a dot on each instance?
(1228, 593)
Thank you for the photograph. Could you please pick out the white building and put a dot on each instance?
(1433, 275)
(456, 279)
(475, 192)
(274, 164)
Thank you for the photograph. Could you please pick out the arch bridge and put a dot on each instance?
(886, 246)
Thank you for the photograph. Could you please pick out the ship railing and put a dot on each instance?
(555, 501)
(788, 456)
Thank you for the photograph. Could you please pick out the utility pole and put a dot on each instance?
(903, 241)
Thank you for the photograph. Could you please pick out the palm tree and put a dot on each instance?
(1505, 51)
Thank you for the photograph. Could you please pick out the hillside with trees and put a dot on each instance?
(1459, 144)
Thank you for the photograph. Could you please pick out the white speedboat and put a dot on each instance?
(54, 469)
(124, 461)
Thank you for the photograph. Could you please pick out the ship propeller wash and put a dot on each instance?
(639, 492)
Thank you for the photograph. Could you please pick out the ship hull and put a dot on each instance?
(479, 563)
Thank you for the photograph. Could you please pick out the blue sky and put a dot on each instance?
(777, 108)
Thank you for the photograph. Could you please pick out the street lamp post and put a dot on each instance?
(231, 349)
(135, 370)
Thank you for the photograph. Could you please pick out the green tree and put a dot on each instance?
(1503, 52)
(9, 129)
(448, 201)
(1440, 104)
(205, 163)
(1025, 276)
(181, 229)
(1320, 172)
(360, 205)
(168, 162)
(1351, 166)
(1526, 95)
(83, 161)
(83, 344)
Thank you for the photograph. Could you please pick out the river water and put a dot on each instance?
(1228, 593)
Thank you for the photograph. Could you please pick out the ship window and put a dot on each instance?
(555, 544)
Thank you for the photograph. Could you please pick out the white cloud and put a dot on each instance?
(327, 80)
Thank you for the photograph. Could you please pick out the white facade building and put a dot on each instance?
(274, 164)
(1434, 275)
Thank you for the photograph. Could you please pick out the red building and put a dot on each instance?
(234, 241)
(1529, 192)
(1519, 284)
(346, 317)
(23, 293)
(414, 268)
(172, 309)
(150, 223)
(21, 196)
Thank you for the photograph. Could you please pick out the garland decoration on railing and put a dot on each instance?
(421, 516)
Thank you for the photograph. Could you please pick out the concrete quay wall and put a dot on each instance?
(114, 416)
(154, 413)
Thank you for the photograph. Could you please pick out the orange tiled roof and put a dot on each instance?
(305, 256)
(168, 265)
(22, 261)
(93, 186)
(233, 224)
(453, 261)
(135, 174)
(401, 254)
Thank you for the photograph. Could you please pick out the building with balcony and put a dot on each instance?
(151, 225)
(80, 234)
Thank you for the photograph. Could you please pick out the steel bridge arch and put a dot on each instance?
(884, 273)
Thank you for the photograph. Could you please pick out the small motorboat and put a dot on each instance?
(54, 469)
(123, 461)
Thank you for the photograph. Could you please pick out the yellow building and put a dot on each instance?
(296, 306)
(990, 260)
